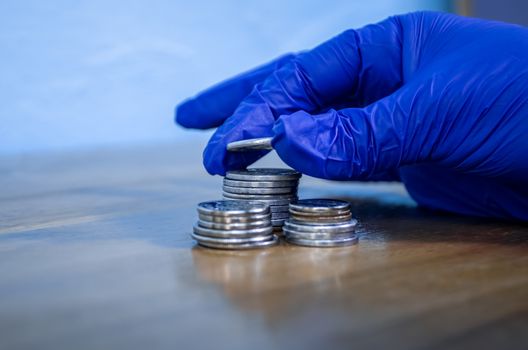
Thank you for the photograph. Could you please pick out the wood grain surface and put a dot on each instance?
(95, 253)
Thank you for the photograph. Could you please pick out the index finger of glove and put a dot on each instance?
(212, 107)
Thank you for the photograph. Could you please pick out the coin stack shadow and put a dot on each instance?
(234, 225)
(274, 187)
(320, 223)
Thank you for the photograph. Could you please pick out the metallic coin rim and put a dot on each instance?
(257, 209)
(234, 219)
(320, 214)
(319, 221)
(259, 191)
(239, 175)
(278, 222)
(261, 184)
(250, 144)
(341, 227)
(317, 235)
(263, 244)
(299, 207)
(279, 208)
(254, 239)
(279, 216)
(202, 231)
(260, 197)
(322, 243)
(269, 202)
(234, 226)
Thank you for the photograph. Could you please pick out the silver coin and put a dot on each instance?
(269, 202)
(261, 184)
(279, 208)
(343, 227)
(263, 244)
(201, 238)
(232, 208)
(318, 205)
(316, 235)
(277, 216)
(327, 214)
(277, 222)
(260, 197)
(250, 144)
(202, 231)
(234, 219)
(323, 243)
(278, 202)
(234, 226)
(263, 174)
(260, 191)
(322, 220)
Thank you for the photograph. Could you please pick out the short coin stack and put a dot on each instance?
(320, 223)
(274, 187)
(234, 225)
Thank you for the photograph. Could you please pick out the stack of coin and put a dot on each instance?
(274, 187)
(320, 223)
(234, 225)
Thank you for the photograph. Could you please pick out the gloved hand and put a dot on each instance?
(438, 99)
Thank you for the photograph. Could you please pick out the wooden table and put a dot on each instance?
(95, 254)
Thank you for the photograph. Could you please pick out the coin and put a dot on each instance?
(321, 214)
(250, 144)
(318, 205)
(239, 246)
(202, 231)
(231, 208)
(312, 220)
(260, 184)
(234, 219)
(260, 191)
(263, 174)
(257, 197)
(223, 224)
(272, 188)
(277, 222)
(234, 226)
(342, 227)
(279, 209)
(269, 202)
(280, 215)
(317, 235)
(321, 242)
(201, 238)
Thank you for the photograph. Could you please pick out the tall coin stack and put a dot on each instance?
(234, 225)
(275, 187)
(320, 223)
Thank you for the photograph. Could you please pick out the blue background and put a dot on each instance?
(81, 74)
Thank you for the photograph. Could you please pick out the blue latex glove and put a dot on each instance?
(438, 100)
